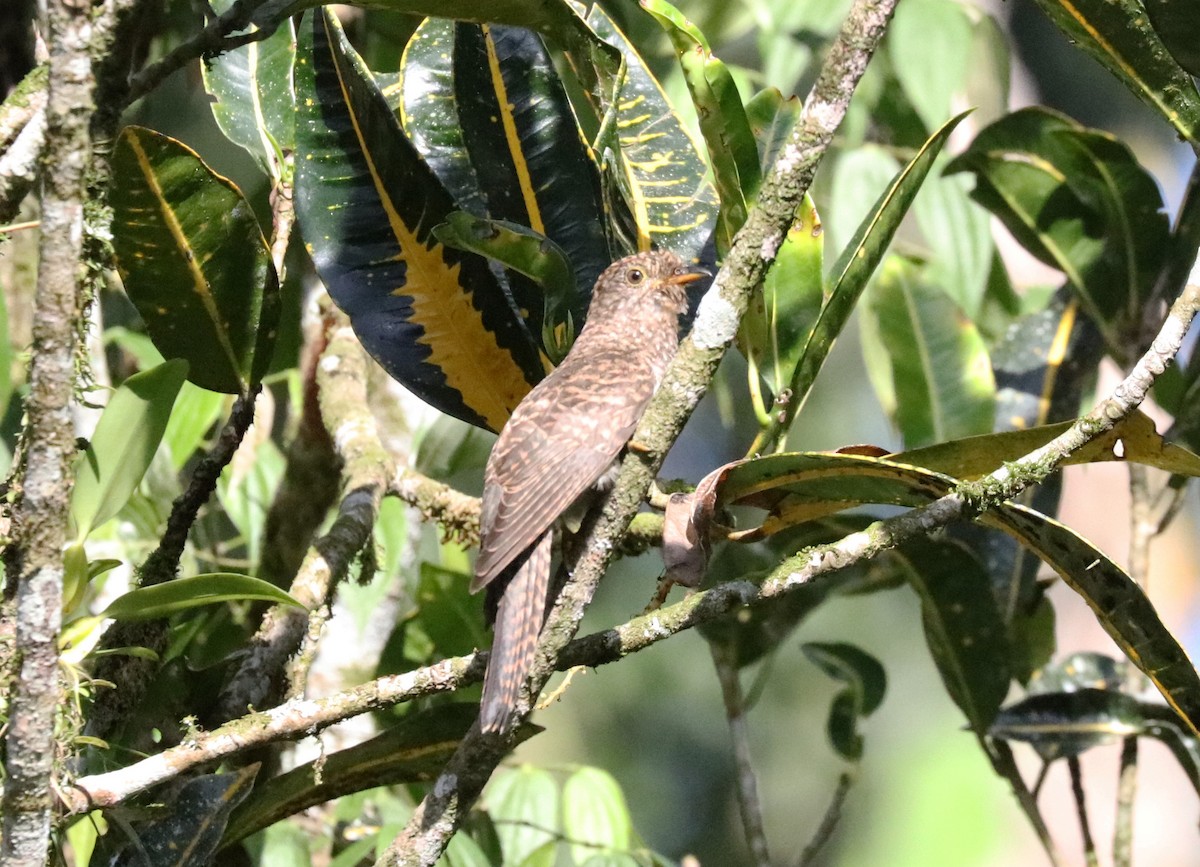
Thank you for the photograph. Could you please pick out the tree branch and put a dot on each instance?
(366, 471)
(34, 560)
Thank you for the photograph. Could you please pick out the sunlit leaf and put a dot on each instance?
(1061, 724)
(126, 438)
(193, 260)
(660, 168)
(930, 46)
(523, 805)
(183, 594)
(723, 122)
(1078, 200)
(595, 814)
(255, 103)
(939, 369)
(858, 261)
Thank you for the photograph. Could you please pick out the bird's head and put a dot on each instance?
(658, 277)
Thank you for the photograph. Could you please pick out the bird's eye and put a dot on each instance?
(635, 276)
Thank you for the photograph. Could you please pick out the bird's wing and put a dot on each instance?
(537, 473)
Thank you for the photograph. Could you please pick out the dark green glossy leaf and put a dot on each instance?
(1118, 34)
(1061, 724)
(123, 445)
(424, 100)
(1177, 23)
(530, 254)
(188, 836)
(447, 612)
(936, 363)
(598, 64)
(723, 123)
(1078, 200)
(524, 141)
(963, 626)
(523, 805)
(781, 315)
(1162, 724)
(183, 594)
(660, 168)
(435, 318)
(193, 260)
(255, 103)
(412, 751)
(595, 815)
(866, 683)
(858, 261)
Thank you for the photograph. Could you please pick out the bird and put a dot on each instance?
(561, 444)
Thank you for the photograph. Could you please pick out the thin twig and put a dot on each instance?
(1085, 828)
(829, 822)
(39, 520)
(747, 781)
(1122, 850)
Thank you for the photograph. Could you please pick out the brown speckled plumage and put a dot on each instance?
(560, 441)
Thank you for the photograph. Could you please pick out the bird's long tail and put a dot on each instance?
(519, 617)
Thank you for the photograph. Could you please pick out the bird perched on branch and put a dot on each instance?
(560, 443)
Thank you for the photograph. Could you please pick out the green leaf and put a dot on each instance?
(193, 260)
(963, 626)
(772, 118)
(1061, 724)
(595, 815)
(436, 319)
(1118, 34)
(183, 594)
(866, 683)
(530, 254)
(958, 232)
(930, 46)
(524, 141)
(189, 834)
(1078, 200)
(1177, 23)
(781, 315)
(723, 123)
(126, 438)
(523, 805)
(858, 261)
(937, 365)
(429, 114)
(660, 168)
(254, 101)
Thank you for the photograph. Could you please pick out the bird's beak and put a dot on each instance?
(691, 275)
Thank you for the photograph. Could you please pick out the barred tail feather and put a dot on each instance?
(519, 619)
